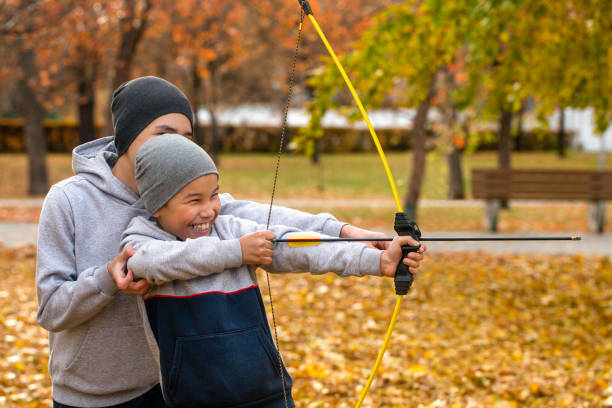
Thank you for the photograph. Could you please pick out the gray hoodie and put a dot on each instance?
(98, 352)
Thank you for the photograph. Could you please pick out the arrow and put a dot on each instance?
(308, 240)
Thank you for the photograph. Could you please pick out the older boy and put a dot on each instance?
(98, 352)
(207, 321)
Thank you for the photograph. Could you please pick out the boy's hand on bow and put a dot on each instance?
(392, 255)
(257, 248)
(124, 279)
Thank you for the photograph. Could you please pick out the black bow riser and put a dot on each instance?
(405, 227)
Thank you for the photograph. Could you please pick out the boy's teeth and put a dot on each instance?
(201, 226)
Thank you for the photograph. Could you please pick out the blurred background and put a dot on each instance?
(452, 87)
(450, 78)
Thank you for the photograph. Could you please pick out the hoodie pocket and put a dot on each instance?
(224, 370)
(110, 360)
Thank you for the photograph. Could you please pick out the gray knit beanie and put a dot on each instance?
(139, 102)
(167, 163)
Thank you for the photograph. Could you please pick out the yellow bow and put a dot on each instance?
(383, 158)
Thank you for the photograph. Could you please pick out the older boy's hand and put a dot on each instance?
(125, 280)
(392, 255)
(350, 231)
(257, 248)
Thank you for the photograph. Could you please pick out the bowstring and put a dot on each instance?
(276, 171)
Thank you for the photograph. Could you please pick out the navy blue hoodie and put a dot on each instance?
(207, 321)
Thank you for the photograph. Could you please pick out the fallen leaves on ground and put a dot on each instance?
(24, 348)
(476, 330)
(19, 214)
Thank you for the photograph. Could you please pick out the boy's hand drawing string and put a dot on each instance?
(403, 226)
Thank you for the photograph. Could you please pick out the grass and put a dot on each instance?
(362, 175)
(347, 177)
(339, 176)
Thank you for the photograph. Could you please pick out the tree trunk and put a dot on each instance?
(196, 81)
(87, 127)
(455, 176)
(132, 27)
(519, 132)
(505, 139)
(419, 153)
(602, 150)
(561, 145)
(215, 145)
(215, 140)
(33, 115)
(505, 143)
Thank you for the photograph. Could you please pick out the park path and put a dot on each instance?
(16, 234)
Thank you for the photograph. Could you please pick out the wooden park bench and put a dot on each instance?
(495, 185)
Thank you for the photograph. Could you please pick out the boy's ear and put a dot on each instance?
(156, 215)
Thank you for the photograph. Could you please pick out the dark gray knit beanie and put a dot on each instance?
(139, 102)
(167, 163)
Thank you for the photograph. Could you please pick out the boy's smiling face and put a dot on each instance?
(192, 211)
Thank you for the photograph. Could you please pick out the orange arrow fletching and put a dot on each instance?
(302, 240)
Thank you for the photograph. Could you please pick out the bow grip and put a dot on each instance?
(403, 277)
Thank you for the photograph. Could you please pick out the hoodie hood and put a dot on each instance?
(94, 161)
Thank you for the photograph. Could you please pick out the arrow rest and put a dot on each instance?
(405, 227)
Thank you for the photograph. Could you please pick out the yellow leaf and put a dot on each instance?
(418, 369)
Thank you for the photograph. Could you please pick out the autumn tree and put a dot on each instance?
(208, 43)
(498, 67)
(28, 28)
(569, 59)
(556, 52)
(399, 61)
(82, 49)
(452, 128)
(132, 19)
